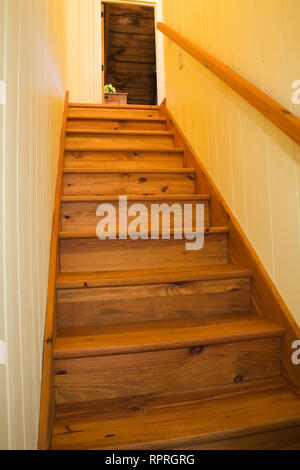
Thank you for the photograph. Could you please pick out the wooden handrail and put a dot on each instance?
(279, 115)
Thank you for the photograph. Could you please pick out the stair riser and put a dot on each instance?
(116, 125)
(81, 216)
(158, 372)
(124, 160)
(114, 255)
(128, 183)
(120, 305)
(112, 111)
(120, 141)
(283, 439)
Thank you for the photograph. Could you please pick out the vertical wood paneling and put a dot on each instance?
(83, 55)
(32, 41)
(256, 166)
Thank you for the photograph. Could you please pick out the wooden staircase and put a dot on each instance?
(157, 347)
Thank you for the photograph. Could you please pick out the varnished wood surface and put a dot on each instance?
(114, 255)
(192, 423)
(162, 335)
(103, 107)
(163, 371)
(124, 160)
(150, 276)
(176, 322)
(90, 235)
(283, 439)
(111, 110)
(114, 123)
(80, 215)
(97, 182)
(125, 406)
(127, 304)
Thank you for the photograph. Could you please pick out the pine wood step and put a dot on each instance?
(112, 110)
(78, 213)
(92, 254)
(140, 198)
(258, 419)
(124, 406)
(162, 335)
(92, 139)
(77, 280)
(91, 235)
(164, 357)
(119, 301)
(127, 159)
(151, 302)
(88, 181)
(116, 122)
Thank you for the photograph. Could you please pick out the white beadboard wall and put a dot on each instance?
(32, 58)
(254, 164)
(83, 53)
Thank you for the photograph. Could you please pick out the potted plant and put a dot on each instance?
(111, 96)
(109, 90)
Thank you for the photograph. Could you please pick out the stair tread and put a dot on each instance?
(116, 117)
(114, 106)
(128, 149)
(92, 234)
(162, 335)
(123, 405)
(118, 132)
(172, 425)
(150, 276)
(133, 171)
(138, 197)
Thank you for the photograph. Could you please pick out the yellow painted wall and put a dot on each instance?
(32, 45)
(83, 23)
(255, 166)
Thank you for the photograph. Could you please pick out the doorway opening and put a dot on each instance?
(129, 53)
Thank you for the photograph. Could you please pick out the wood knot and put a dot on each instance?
(165, 189)
(76, 155)
(197, 350)
(142, 180)
(135, 408)
(61, 372)
(238, 379)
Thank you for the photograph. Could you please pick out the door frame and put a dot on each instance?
(159, 40)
